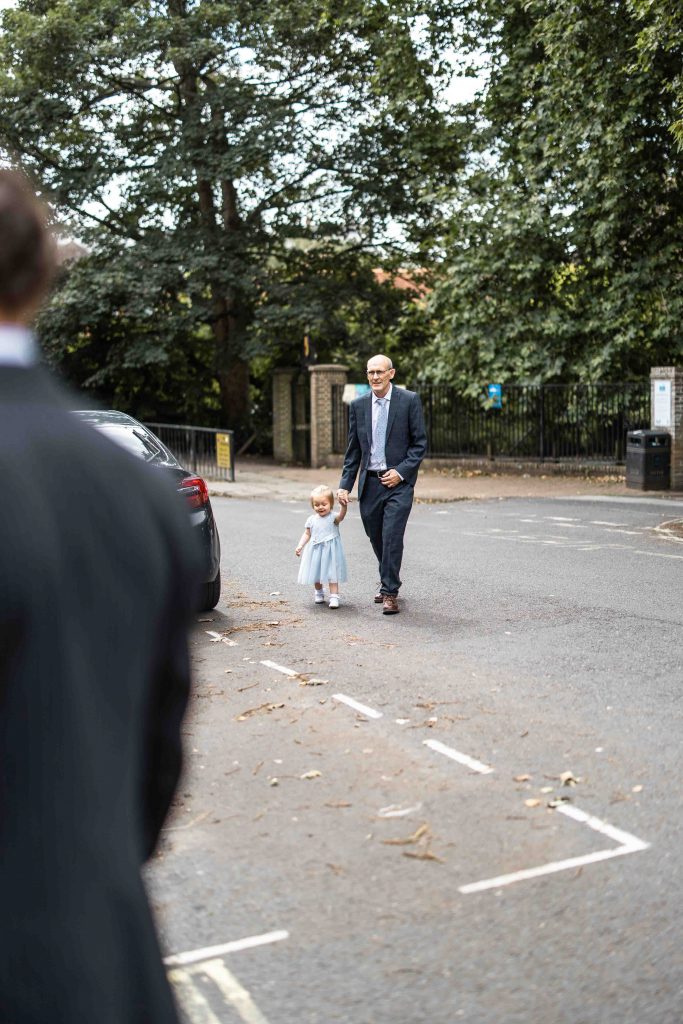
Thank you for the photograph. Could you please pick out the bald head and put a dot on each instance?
(380, 373)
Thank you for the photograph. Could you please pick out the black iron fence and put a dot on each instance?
(578, 422)
(203, 450)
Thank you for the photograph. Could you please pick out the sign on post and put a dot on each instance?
(662, 403)
(224, 453)
(495, 392)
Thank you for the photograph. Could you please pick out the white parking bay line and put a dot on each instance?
(629, 844)
(280, 668)
(356, 705)
(455, 755)
(194, 956)
(195, 1007)
(216, 638)
(605, 829)
(234, 993)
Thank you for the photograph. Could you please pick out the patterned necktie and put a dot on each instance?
(381, 431)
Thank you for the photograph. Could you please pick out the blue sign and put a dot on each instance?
(495, 392)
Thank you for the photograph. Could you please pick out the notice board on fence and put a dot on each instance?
(223, 451)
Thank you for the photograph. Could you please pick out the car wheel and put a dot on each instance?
(212, 591)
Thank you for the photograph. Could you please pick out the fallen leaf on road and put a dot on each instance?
(547, 789)
(315, 774)
(273, 782)
(336, 868)
(636, 789)
(521, 778)
(338, 803)
(415, 838)
(312, 682)
(532, 802)
(257, 711)
(559, 800)
(422, 855)
(568, 779)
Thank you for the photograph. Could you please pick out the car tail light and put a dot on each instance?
(195, 490)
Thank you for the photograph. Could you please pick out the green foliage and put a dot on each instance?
(563, 253)
(234, 169)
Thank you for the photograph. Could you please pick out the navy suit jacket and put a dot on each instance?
(406, 440)
(98, 574)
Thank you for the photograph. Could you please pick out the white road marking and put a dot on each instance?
(280, 668)
(629, 844)
(455, 755)
(216, 638)
(193, 1003)
(233, 992)
(194, 956)
(656, 554)
(631, 533)
(362, 708)
(605, 829)
(603, 522)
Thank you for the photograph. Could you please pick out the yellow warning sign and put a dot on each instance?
(223, 451)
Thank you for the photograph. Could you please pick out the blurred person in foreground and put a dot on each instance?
(96, 582)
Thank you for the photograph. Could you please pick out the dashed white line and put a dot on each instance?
(356, 705)
(456, 755)
(629, 844)
(603, 827)
(280, 668)
(194, 956)
(217, 638)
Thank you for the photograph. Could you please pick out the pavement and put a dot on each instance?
(265, 479)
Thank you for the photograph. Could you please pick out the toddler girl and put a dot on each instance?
(323, 560)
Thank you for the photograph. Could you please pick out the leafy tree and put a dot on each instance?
(227, 164)
(563, 253)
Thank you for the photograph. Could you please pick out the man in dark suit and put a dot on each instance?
(387, 443)
(97, 582)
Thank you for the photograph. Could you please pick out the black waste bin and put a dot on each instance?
(648, 460)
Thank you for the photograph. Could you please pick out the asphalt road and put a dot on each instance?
(536, 638)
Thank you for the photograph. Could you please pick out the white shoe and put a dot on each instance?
(334, 601)
(319, 597)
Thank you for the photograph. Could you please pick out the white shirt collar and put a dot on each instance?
(17, 346)
(384, 398)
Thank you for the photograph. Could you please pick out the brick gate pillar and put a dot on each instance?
(323, 377)
(667, 413)
(283, 448)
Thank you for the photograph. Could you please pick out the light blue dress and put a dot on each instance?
(322, 559)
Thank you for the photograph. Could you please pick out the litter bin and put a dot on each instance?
(648, 460)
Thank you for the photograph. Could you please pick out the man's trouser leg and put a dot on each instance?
(385, 512)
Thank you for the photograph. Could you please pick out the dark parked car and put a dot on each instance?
(137, 439)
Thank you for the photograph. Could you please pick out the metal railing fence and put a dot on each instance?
(557, 422)
(203, 450)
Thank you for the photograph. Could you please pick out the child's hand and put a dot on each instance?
(298, 552)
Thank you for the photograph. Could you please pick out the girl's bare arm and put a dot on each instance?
(343, 509)
(305, 537)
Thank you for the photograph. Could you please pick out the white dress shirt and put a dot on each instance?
(373, 463)
(17, 346)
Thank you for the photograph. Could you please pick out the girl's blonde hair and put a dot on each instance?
(322, 492)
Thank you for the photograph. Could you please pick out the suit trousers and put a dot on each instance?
(384, 512)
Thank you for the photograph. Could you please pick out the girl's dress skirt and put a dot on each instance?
(323, 562)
